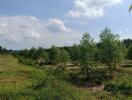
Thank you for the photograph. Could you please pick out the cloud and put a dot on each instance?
(56, 25)
(17, 28)
(91, 8)
(18, 32)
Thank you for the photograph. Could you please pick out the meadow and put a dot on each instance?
(87, 71)
(21, 82)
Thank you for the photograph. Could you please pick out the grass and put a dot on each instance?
(21, 82)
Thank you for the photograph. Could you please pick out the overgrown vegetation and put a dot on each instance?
(78, 72)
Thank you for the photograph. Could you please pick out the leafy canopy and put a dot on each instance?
(87, 54)
(111, 49)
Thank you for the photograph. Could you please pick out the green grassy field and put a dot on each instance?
(21, 82)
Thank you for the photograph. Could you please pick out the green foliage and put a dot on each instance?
(54, 55)
(3, 50)
(129, 53)
(23, 82)
(41, 54)
(120, 86)
(58, 56)
(33, 53)
(64, 57)
(25, 61)
(24, 53)
(87, 57)
(127, 42)
(20, 82)
(111, 50)
(75, 53)
(30, 54)
(52, 89)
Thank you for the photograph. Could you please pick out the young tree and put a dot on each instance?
(111, 50)
(63, 58)
(33, 53)
(75, 53)
(24, 53)
(41, 56)
(54, 55)
(87, 55)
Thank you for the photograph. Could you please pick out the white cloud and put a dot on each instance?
(27, 31)
(56, 25)
(91, 8)
(17, 28)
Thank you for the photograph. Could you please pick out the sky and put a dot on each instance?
(35, 23)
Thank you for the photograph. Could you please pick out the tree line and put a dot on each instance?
(110, 51)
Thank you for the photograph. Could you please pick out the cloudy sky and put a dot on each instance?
(28, 23)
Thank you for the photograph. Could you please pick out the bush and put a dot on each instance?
(57, 90)
(50, 88)
(119, 86)
(25, 61)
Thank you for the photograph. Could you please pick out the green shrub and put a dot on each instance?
(57, 90)
(119, 86)
(26, 61)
